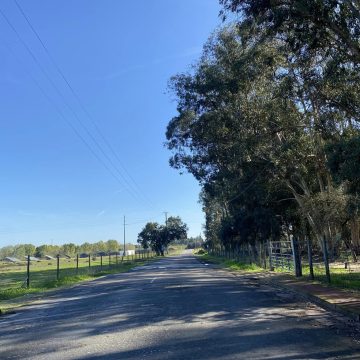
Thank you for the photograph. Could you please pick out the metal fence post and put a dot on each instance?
(28, 272)
(109, 260)
(77, 264)
(89, 261)
(101, 262)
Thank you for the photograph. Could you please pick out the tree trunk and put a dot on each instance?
(355, 235)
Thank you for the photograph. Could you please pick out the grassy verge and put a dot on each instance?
(175, 250)
(16, 296)
(228, 264)
(340, 278)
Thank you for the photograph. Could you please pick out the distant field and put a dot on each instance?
(43, 274)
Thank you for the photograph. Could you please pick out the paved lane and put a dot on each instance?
(176, 308)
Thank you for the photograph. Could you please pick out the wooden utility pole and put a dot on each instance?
(124, 238)
(166, 221)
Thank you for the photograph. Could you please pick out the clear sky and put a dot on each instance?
(118, 56)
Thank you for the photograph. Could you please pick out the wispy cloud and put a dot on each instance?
(101, 213)
(26, 213)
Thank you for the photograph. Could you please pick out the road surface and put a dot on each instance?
(175, 308)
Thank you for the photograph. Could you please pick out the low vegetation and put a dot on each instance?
(227, 263)
(43, 276)
(340, 277)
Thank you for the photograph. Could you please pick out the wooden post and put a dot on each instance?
(109, 259)
(100, 262)
(77, 263)
(89, 261)
(116, 258)
(296, 256)
(326, 260)
(310, 258)
(28, 272)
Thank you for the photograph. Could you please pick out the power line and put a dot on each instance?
(63, 117)
(130, 190)
(77, 97)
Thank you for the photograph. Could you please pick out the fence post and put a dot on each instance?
(271, 267)
(116, 258)
(77, 264)
(109, 260)
(296, 256)
(89, 261)
(57, 266)
(28, 272)
(310, 257)
(326, 260)
(100, 262)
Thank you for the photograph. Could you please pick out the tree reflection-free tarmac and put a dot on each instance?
(175, 308)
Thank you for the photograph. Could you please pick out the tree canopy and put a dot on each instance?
(266, 120)
(158, 237)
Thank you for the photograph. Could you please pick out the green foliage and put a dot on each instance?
(271, 98)
(70, 249)
(158, 237)
(344, 160)
(230, 264)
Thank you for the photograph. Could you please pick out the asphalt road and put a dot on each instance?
(175, 308)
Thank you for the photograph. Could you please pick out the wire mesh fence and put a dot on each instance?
(312, 261)
(39, 273)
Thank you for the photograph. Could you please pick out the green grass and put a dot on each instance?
(229, 264)
(175, 249)
(340, 278)
(43, 275)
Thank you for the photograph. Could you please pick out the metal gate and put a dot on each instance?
(281, 255)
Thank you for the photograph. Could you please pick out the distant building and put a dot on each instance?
(12, 259)
(83, 255)
(32, 258)
(127, 253)
(48, 257)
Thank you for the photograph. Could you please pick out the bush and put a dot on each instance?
(200, 252)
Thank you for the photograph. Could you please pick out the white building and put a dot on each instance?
(127, 253)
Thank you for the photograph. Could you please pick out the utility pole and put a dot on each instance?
(124, 238)
(166, 220)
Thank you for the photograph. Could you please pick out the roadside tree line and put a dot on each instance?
(70, 249)
(268, 123)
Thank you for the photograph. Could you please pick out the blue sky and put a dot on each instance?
(118, 57)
